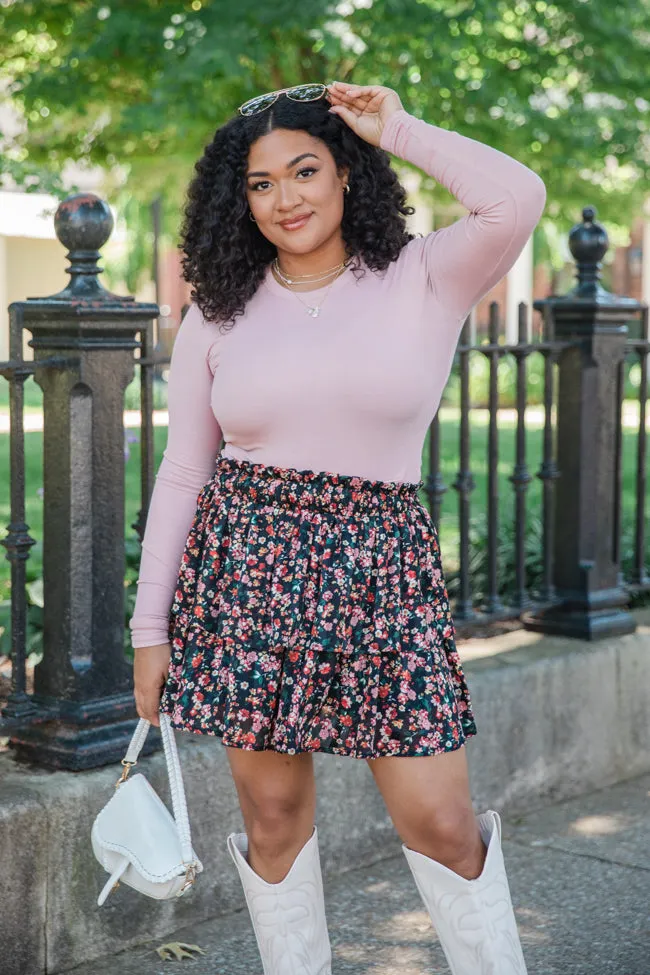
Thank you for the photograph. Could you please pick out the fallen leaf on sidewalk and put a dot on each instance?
(177, 950)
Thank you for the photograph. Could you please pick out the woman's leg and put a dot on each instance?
(428, 799)
(278, 862)
(455, 859)
(277, 797)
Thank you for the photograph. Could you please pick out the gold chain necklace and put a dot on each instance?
(314, 310)
(306, 278)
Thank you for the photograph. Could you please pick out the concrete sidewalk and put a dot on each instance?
(580, 881)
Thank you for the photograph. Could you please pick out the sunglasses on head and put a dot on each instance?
(301, 93)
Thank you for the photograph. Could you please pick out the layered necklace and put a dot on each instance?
(313, 310)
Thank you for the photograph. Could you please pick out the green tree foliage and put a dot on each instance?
(144, 83)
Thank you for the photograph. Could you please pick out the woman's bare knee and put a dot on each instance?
(428, 799)
(277, 796)
(272, 787)
(448, 834)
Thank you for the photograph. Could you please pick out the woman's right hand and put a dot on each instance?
(150, 668)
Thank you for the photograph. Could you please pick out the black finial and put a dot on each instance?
(588, 242)
(83, 223)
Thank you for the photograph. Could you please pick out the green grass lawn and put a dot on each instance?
(449, 461)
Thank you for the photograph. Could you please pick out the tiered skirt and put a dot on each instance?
(311, 614)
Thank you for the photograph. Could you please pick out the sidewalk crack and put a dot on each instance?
(576, 853)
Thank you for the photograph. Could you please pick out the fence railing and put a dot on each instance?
(556, 563)
(497, 601)
(636, 577)
(490, 579)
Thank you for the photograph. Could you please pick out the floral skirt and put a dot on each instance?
(311, 614)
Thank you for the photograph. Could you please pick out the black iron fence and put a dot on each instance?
(556, 564)
(504, 566)
(498, 598)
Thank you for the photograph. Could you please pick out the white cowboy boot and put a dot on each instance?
(474, 919)
(288, 917)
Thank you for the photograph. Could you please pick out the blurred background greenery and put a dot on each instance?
(139, 89)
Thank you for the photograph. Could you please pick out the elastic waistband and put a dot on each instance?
(315, 489)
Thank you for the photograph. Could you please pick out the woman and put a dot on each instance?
(310, 611)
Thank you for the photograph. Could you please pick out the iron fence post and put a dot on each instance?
(84, 680)
(586, 564)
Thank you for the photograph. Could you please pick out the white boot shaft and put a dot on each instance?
(474, 919)
(288, 917)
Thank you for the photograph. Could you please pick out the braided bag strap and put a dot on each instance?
(176, 786)
(137, 741)
(177, 789)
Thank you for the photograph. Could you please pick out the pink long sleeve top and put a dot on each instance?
(352, 391)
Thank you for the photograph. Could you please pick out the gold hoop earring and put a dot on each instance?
(346, 188)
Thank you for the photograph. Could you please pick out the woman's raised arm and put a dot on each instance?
(505, 199)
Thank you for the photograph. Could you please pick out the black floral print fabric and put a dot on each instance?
(311, 614)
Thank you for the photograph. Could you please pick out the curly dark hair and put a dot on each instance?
(225, 255)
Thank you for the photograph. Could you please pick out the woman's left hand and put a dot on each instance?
(365, 108)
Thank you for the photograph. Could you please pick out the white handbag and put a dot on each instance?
(135, 837)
